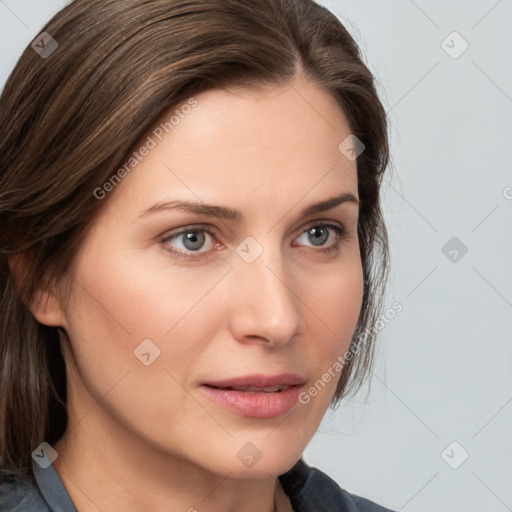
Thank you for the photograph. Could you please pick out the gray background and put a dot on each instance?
(443, 366)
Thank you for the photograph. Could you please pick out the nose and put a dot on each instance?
(263, 307)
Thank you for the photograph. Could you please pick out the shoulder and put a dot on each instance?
(311, 490)
(20, 495)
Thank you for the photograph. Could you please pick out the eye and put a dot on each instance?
(193, 239)
(319, 233)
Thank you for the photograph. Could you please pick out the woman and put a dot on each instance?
(193, 255)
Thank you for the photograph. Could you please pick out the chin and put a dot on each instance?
(261, 456)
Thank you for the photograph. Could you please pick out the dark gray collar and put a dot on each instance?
(309, 490)
(52, 489)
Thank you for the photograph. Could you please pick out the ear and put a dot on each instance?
(45, 305)
(46, 308)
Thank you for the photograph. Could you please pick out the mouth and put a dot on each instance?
(252, 389)
(259, 382)
(256, 396)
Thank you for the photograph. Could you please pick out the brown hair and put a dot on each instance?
(67, 122)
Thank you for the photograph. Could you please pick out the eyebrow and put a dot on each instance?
(223, 212)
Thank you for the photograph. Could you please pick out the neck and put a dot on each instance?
(99, 472)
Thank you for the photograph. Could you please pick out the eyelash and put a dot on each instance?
(341, 234)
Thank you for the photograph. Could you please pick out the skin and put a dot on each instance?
(144, 437)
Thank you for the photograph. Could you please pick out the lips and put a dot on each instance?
(256, 396)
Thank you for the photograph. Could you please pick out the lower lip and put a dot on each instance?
(256, 404)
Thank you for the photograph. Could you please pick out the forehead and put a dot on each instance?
(250, 147)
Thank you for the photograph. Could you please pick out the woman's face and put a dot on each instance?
(165, 303)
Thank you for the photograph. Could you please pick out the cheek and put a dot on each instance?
(337, 306)
(115, 318)
(138, 295)
(336, 301)
(123, 308)
(336, 310)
